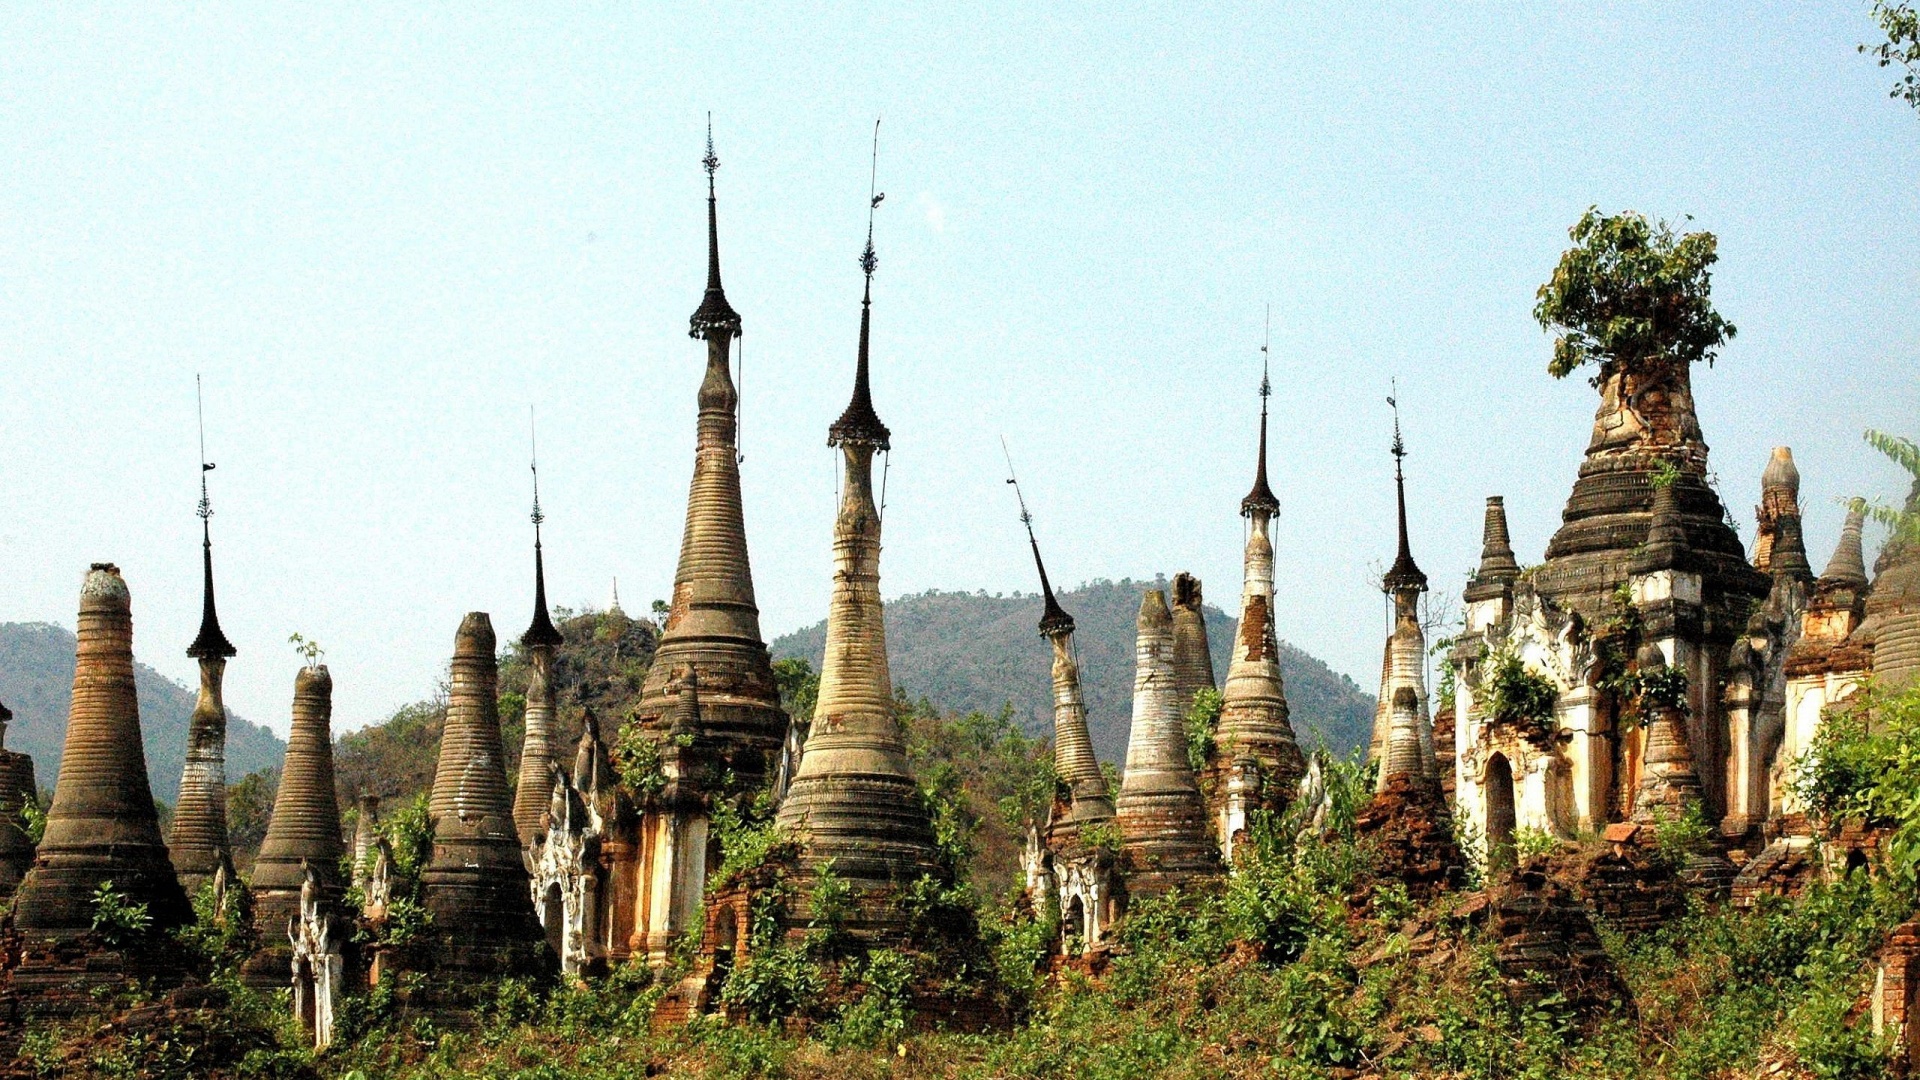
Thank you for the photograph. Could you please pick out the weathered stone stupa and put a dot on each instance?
(17, 788)
(1643, 429)
(1404, 664)
(1164, 839)
(537, 767)
(1067, 862)
(712, 635)
(1256, 760)
(853, 801)
(102, 827)
(1407, 819)
(1892, 623)
(303, 835)
(1192, 655)
(475, 886)
(199, 844)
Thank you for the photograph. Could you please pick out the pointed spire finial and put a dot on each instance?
(1053, 618)
(541, 631)
(1261, 500)
(859, 423)
(1404, 574)
(210, 642)
(715, 317)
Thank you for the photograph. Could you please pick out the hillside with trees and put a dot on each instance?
(36, 682)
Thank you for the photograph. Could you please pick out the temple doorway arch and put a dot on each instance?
(1501, 816)
(553, 918)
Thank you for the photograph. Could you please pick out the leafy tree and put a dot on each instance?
(1904, 521)
(249, 808)
(1901, 23)
(799, 687)
(1631, 297)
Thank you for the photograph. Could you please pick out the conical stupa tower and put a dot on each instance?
(17, 788)
(102, 826)
(537, 766)
(1074, 762)
(1192, 655)
(1646, 434)
(199, 841)
(1164, 838)
(1779, 548)
(1893, 606)
(853, 800)
(303, 835)
(713, 623)
(712, 634)
(1405, 662)
(475, 886)
(1256, 760)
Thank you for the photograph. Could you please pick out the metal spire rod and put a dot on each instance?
(711, 161)
(533, 437)
(200, 410)
(1399, 446)
(868, 261)
(1025, 517)
(1266, 348)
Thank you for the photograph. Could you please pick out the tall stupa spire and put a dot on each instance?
(1261, 501)
(1404, 574)
(1073, 758)
(714, 316)
(710, 641)
(198, 843)
(1254, 727)
(853, 801)
(1403, 666)
(535, 790)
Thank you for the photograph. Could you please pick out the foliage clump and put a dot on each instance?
(1631, 296)
(1516, 696)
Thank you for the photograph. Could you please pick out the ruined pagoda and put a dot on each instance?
(711, 641)
(537, 768)
(102, 828)
(1192, 654)
(198, 844)
(1164, 839)
(1645, 431)
(853, 801)
(1065, 862)
(475, 886)
(303, 841)
(1256, 759)
(1404, 663)
(1407, 820)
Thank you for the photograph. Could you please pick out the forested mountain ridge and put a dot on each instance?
(36, 682)
(974, 652)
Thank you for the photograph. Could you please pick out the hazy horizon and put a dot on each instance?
(381, 237)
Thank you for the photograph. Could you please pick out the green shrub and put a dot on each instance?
(1203, 716)
(1517, 696)
(118, 920)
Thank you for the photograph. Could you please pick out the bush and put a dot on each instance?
(119, 920)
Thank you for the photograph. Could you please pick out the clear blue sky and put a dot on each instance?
(380, 237)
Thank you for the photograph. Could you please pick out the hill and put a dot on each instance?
(971, 651)
(36, 682)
